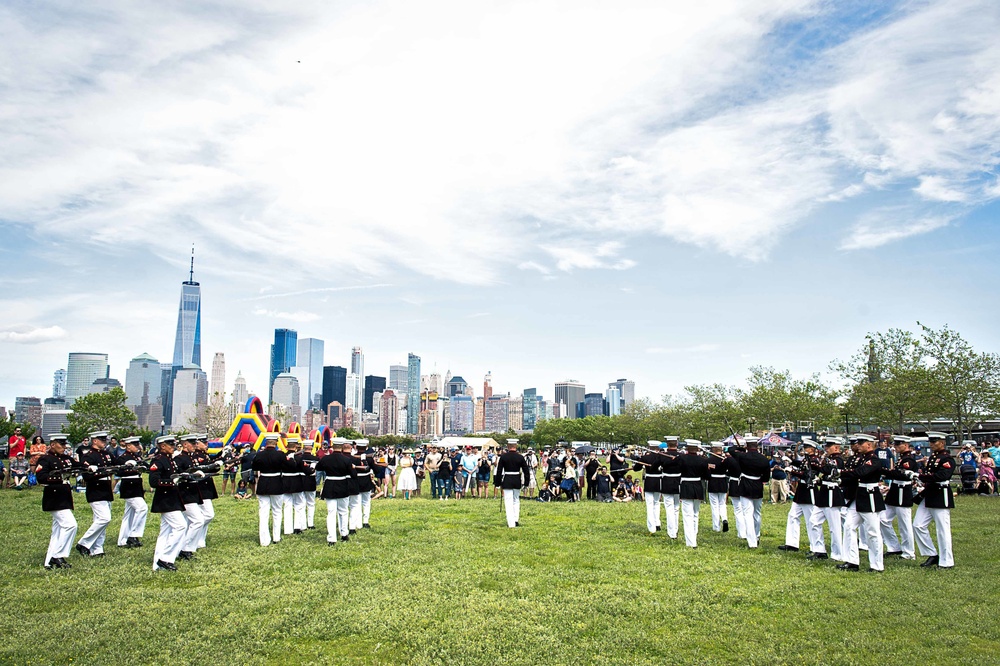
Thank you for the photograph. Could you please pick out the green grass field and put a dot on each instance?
(447, 583)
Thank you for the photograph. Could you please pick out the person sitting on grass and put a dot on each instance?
(987, 482)
(621, 494)
(544, 494)
(602, 483)
(242, 491)
(19, 471)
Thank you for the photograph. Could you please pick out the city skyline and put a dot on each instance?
(666, 192)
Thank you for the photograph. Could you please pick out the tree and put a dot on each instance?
(349, 433)
(965, 381)
(889, 382)
(775, 398)
(101, 411)
(212, 419)
(710, 409)
(9, 425)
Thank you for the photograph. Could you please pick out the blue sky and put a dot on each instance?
(545, 190)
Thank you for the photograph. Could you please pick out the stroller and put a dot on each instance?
(968, 473)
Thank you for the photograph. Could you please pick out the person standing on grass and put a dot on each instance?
(37, 450)
(166, 502)
(57, 499)
(268, 464)
(718, 484)
(407, 477)
(779, 480)
(649, 465)
(936, 504)
(532, 459)
(391, 462)
(753, 470)
(470, 467)
(133, 494)
(366, 484)
(247, 470)
(100, 494)
(512, 475)
(864, 512)
(431, 464)
(670, 484)
(590, 468)
(483, 477)
(694, 470)
(337, 489)
(899, 503)
(804, 500)
(444, 478)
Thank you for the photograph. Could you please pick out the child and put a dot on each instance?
(544, 494)
(242, 491)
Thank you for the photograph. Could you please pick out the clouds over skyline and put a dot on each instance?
(377, 146)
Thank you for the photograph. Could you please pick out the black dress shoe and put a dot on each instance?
(787, 547)
(311, 527)
(331, 543)
(847, 566)
(725, 525)
(185, 555)
(83, 550)
(657, 528)
(61, 563)
(517, 524)
(367, 526)
(352, 531)
(930, 561)
(894, 553)
(166, 565)
(344, 538)
(296, 531)
(818, 556)
(48, 567)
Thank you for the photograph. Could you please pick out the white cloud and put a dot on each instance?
(29, 335)
(694, 349)
(603, 255)
(880, 229)
(300, 316)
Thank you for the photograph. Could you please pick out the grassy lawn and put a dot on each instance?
(445, 582)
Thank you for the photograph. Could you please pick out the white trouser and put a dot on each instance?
(904, 519)
(672, 503)
(834, 519)
(860, 534)
(208, 511)
(310, 497)
(799, 513)
(288, 511)
(299, 510)
(652, 511)
(195, 521)
(63, 532)
(366, 507)
(171, 539)
(269, 508)
(690, 509)
(751, 519)
(93, 538)
(512, 505)
(870, 525)
(355, 508)
(133, 520)
(942, 524)
(344, 515)
(720, 512)
(737, 516)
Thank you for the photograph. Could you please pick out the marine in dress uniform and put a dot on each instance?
(512, 475)
(733, 476)
(57, 499)
(307, 463)
(133, 493)
(804, 501)
(267, 466)
(935, 503)
(339, 469)
(718, 485)
(366, 485)
(670, 484)
(292, 481)
(754, 468)
(166, 502)
(100, 494)
(694, 470)
(849, 484)
(864, 512)
(830, 503)
(649, 465)
(899, 502)
(190, 492)
(209, 492)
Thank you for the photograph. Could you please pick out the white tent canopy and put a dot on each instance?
(462, 442)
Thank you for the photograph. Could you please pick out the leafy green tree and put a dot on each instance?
(101, 411)
(966, 382)
(349, 433)
(710, 410)
(775, 398)
(9, 425)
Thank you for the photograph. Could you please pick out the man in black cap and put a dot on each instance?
(864, 511)
(57, 499)
(754, 468)
(512, 475)
(268, 463)
(935, 504)
(133, 493)
(166, 502)
(100, 494)
(694, 470)
(899, 502)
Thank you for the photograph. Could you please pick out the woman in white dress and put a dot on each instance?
(407, 482)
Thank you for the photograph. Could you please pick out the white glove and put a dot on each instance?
(913, 475)
(92, 468)
(130, 463)
(290, 456)
(200, 474)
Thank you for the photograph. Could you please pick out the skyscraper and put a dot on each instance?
(287, 392)
(240, 393)
(310, 356)
(413, 397)
(571, 393)
(282, 356)
(59, 384)
(398, 378)
(28, 410)
(488, 386)
(529, 400)
(187, 341)
(334, 385)
(218, 385)
(354, 391)
(358, 368)
(388, 412)
(626, 389)
(461, 408)
(455, 386)
(143, 392)
(373, 384)
(613, 400)
(190, 396)
(82, 369)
